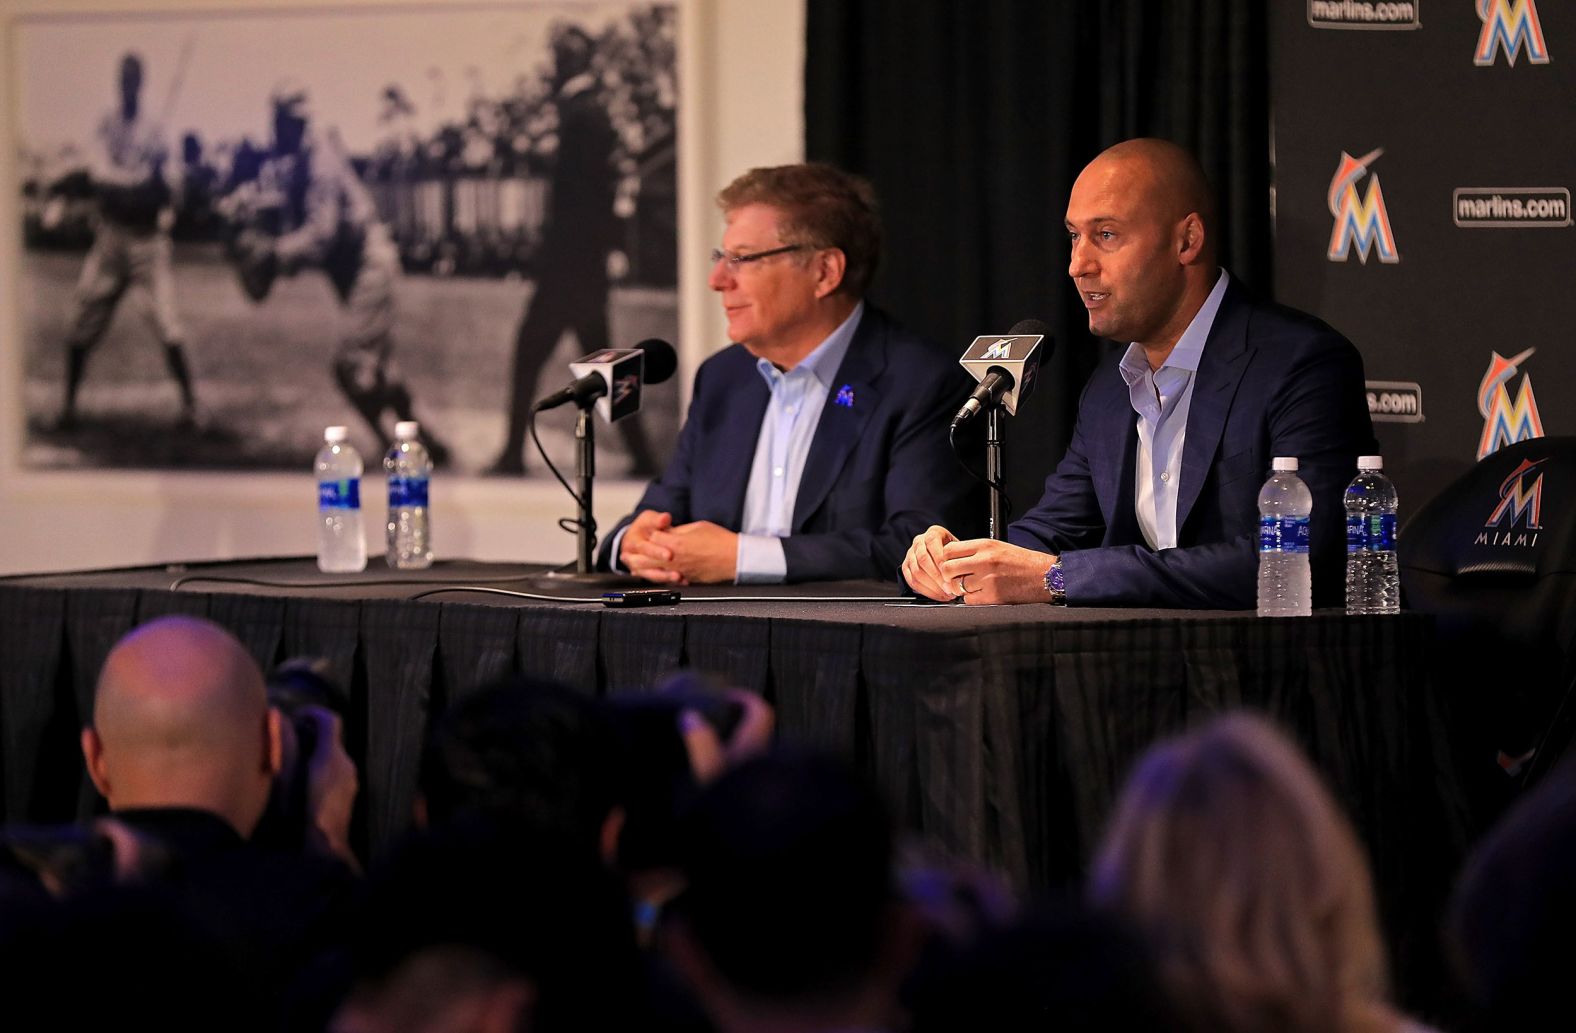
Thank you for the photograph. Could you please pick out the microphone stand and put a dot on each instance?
(993, 473)
(585, 475)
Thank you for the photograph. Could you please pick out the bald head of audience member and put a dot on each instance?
(181, 719)
(1141, 224)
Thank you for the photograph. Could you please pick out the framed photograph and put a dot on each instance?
(239, 226)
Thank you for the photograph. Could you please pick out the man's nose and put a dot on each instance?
(1079, 261)
(721, 277)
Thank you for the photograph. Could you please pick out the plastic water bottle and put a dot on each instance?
(409, 470)
(1285, 578)
(1373, 578)
(341, 546)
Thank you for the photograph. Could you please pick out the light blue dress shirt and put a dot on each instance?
(787, 427)
(1162, 399)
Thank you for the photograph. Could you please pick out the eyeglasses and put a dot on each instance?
(736, 262)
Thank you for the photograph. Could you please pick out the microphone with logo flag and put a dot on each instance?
(1005, 366)
(613, 377)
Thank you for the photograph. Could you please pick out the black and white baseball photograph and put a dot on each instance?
(241, 226)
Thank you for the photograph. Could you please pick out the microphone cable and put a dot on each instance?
(479, 586)
(957, 453)
(692, 599)
(568, 524)
(512, 593)
(231, 579)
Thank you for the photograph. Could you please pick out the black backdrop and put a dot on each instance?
(972, 120)
(1469, 107)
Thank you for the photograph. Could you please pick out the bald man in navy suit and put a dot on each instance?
(816, 445)
(1156, 501)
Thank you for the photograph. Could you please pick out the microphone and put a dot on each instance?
(1005, 367)
(612, 378)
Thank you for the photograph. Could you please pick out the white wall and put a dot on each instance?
(741, 105)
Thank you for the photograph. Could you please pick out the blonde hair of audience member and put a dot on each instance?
(1249, 884)
(181, 719)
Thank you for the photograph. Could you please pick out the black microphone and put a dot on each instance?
(1005, 367)
(612, 378)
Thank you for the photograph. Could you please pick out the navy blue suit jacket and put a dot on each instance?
(1271, 382)
(878, 472)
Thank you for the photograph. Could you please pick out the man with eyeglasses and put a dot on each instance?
(816, 445)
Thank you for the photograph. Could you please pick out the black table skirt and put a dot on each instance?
(1001, 734)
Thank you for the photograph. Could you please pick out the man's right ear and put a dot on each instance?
(93, 755)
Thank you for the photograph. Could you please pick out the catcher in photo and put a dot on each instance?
(306, 208)
(256, 264)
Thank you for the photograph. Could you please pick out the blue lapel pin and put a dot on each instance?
(845, 396)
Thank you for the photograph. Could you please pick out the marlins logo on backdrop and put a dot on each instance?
(1510, 26)
(1504, 421)
(1361, 221)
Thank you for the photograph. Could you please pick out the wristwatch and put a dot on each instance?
(1056, 583)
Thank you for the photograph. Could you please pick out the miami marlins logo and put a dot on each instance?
(1510, 25)
(1520, 502)
(1505, 421)
(1000, 350)
(1360, 221)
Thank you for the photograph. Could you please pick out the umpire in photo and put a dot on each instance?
(579, 231)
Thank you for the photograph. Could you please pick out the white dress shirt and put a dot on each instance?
(1161, 399)
(787, 427)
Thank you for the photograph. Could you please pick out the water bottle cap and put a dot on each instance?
(1284, 464)
(1370, 462)
(406, 430)
(334, 435)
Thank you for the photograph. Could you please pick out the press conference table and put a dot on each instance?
(999, 733)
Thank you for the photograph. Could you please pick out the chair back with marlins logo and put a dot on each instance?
(1493, 557)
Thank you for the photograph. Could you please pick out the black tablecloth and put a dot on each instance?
(1000, 733)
